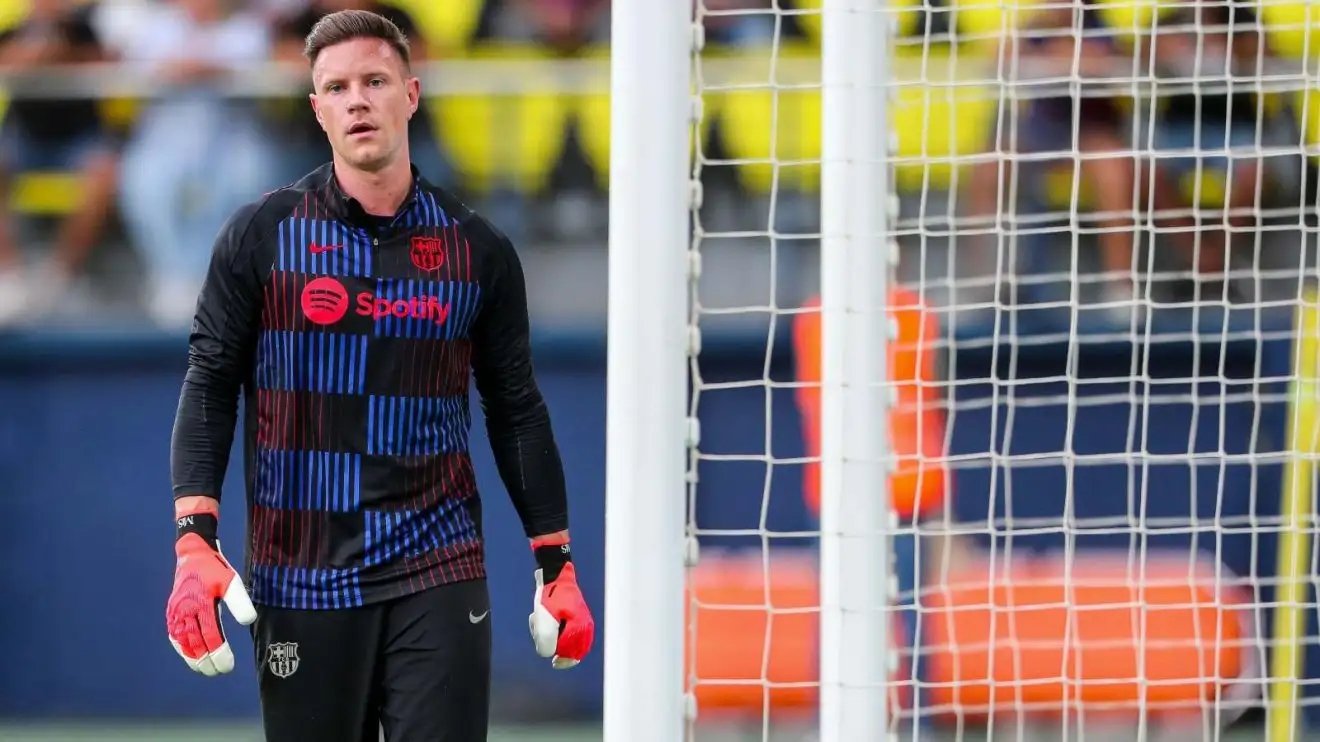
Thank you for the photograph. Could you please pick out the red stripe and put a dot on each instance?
(426, 481)
(289, 538)
(289, 406)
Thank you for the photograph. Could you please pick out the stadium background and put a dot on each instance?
(519, 116)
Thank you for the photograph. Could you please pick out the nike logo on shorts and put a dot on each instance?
(475, 618)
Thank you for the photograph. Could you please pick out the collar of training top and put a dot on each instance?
(346, 207)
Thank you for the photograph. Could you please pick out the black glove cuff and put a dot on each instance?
(551, 558)
(202, 524)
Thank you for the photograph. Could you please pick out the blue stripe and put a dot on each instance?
(301, 243)
(422, 211)
(418, 426)
(302, 587)
(307, 480)
(393, 535)
(468, 296)
(439, 213)
(347, 252)
(330, 363)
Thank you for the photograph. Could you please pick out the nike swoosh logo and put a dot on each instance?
(318, 249)
(474, 618)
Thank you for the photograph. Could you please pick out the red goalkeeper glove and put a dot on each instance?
(561, 624)
(202, 579)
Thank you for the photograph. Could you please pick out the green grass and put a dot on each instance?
(239, 733)
(561, 733)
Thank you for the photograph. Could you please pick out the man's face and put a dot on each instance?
(363, 98)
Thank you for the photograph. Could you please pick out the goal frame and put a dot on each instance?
(856, 255)
(651, 269)
(646, 423)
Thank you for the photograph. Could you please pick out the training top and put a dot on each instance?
(352, 339)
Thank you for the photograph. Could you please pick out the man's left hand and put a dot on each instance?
(561, 624)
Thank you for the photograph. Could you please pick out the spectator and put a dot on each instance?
(1093, 125)
(176, 191)
(746, 22)
(303, 145)
(565, 26)
(1210, 42)
(61, 135)
(1066, 123)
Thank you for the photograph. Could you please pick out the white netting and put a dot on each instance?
(1105, 218)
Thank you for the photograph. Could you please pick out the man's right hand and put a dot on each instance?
(202, 579)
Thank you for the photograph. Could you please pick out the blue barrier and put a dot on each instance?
(86, 539)
(85, 542)
(1121, 397)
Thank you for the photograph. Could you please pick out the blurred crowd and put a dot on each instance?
(113, 200)
(166, 174)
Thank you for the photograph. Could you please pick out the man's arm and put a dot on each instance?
(518, 424)
(219, 356)
(517, 420)
(519, 427)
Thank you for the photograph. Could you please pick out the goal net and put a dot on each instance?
(1072, 361)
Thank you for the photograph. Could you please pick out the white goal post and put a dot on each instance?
(855, 262)
(1122, 438)
(646, 396)
(652, 193)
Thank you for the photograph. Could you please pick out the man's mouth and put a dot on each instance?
(360, 128)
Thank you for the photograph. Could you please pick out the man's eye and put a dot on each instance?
(332, 88)
(377, 82)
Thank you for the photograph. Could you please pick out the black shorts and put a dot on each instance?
(417, 668)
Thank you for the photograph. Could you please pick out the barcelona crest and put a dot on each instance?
(428, 253)
(282, 659)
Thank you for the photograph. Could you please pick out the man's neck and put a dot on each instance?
(381, 193)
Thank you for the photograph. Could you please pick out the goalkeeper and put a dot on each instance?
(351, 308)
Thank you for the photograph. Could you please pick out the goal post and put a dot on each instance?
(855, 257)
(1294, 562)
(1042, 477)
(646, 425)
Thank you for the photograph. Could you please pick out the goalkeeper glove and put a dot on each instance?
(203, 578)
(561, 624)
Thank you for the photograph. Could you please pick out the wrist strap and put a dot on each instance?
(205, 525)
(551, 558)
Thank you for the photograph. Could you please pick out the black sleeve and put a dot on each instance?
(220, 352)
(517, 419)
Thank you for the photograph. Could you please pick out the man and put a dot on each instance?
(351, 306)
(1206, 143)
(61, 135)
(1058, 125)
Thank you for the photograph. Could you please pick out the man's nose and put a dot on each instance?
(356, 100)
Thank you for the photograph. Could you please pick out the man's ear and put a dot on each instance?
(316, 109)
(414, 95)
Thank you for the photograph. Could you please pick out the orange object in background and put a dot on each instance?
(916, 423)
(753, 646)
(1109, 636)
